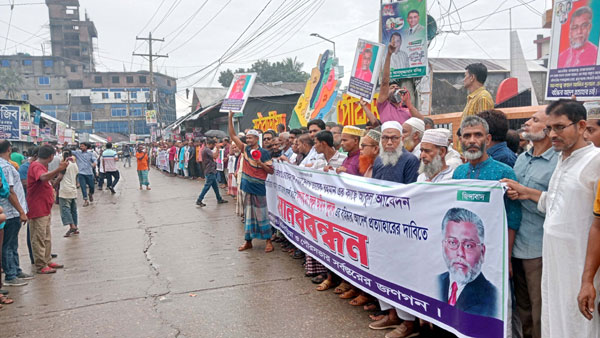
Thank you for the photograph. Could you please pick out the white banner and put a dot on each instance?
(387, 239)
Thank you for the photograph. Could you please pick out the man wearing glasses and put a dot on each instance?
(568, 205)
(464, 286)
(581, 51)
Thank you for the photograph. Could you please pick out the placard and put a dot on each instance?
(574, 64)
(10, 122)
(405, 22)
(366, 69)
(238, 93)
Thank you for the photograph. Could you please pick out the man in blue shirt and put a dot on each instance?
(534, 169)
(497, 148)
(86, 161)
(395, 163)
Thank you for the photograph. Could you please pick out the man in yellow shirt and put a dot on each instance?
(479, 99)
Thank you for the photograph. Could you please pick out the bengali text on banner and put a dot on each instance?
(437, 251)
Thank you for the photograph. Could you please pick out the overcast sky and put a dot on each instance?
(118, 23)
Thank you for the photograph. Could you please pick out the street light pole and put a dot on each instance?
(321, 37)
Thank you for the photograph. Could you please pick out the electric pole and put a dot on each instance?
(151, 58)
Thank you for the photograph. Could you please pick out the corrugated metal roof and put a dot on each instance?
(458, 65)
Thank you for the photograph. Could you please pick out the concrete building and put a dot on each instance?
(66, 85)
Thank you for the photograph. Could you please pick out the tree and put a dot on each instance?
(287, 70)
(10, 83)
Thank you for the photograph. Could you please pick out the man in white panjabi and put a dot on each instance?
(434, 147)
(568, 205)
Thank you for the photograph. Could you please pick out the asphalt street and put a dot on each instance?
(152, 264)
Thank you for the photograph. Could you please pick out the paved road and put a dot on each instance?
(151, 264)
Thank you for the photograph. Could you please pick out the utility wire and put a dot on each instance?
(152, 17)
(12, 7)
(182, 27)
(166, 16)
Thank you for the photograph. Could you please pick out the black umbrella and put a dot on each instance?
(215, 133)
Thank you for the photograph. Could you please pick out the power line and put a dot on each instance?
(169, 12)
(12, 7)
(184, 25)
(201, 28)
(151, 18)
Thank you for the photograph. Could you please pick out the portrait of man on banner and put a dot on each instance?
(464, 286)
(579, 38)
(239, 86)
(365, 61)
(238, 93)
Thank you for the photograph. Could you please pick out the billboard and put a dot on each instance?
(238, 92)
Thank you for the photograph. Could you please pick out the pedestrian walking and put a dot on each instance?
(86, 162)
(209, 154)
(40, 197)
(67, 194)
(109, 159)
(126, 156)
(142, 166)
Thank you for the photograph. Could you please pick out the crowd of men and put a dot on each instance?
(32, 182)
(551, 168)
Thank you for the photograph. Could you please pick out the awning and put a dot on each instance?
(52, 119)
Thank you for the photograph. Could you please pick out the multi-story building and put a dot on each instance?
(67, 86)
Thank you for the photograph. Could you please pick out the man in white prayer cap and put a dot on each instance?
(412, 131)
(453, 159)
(434, 147)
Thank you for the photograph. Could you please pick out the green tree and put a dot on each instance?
(287, 70)
(10, 83)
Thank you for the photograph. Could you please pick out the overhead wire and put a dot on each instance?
(167, 14)
(182, 27)
(152, 17)
(12, 8)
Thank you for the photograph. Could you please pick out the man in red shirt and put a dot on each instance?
(172, 153)
(40, 196)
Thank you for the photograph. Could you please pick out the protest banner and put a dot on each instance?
(151, 118)
(574, 65)
(405, 22)
(10, 122)
(366, 69)
(132, 138)
(350, 113)
(268, 122)
(387, 240)
(238, 93)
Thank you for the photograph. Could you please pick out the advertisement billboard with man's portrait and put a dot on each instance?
(405, 23)
(574, 61)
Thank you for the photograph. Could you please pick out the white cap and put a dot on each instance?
(436, 137)
(416, 123)
(447, 132)
(252, 132)
(391, 125)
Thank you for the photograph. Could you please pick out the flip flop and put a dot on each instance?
(5, 300)
(326, 285)
(343, 287)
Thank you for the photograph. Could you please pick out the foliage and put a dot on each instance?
(10, 83)
(287, 70)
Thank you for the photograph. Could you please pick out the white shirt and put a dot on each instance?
(417, 151)
(568, 205)
(453, 158)
(312, 157)
(335, 161)
(444, 175)
(68, 184)
(459, 289)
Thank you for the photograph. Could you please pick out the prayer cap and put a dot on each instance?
(375, 135)
(252, 132)
(416, 123)
(391, 125)
(352, 130)
(436, 137)
(447, 132)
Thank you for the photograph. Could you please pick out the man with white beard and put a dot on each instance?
(434, 147)
(394, 163)
(464, 286)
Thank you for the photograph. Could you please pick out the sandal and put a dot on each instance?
(371, 306)
(247, 245)
(318, 279)
(360, 300)
(378, 315)
(269, 247)
(349, 294)
(5, 300)
(326, 285)
(343, 287)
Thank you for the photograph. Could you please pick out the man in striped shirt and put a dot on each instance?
(109, 160)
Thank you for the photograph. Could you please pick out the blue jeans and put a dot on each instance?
(211, 181)
(84, 182)
(10, 246)
(68, 210)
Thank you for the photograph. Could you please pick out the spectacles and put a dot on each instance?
(557, 129)
(584, 25)
(267, 138)
(387, 138)
(367, 145)
(468, 245)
